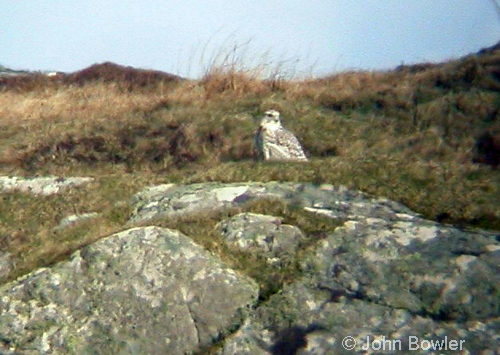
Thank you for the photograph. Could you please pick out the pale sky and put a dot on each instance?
(298, 37)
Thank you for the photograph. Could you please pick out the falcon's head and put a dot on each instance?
(271, 121)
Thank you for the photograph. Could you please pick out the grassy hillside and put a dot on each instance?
(426, 135)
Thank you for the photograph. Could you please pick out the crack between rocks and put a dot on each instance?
(222, 337)
(195, 324)
(468, 253)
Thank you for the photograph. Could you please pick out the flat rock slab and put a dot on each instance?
(419, 265)
(142, 291)
(40, 185)
(171, 199)
(335, 202)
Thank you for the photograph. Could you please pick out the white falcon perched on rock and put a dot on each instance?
(274, 142)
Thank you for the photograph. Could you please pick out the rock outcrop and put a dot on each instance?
(385, 281)
(40, 185)
(335, 202)
(407, 282)
(142, 291)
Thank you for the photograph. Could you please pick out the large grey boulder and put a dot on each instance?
(405, 280)
(418, 265)
(142, 291)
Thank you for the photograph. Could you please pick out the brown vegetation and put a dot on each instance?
(425, 135)
(127, 78)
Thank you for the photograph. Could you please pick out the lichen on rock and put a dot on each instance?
(380, 271)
